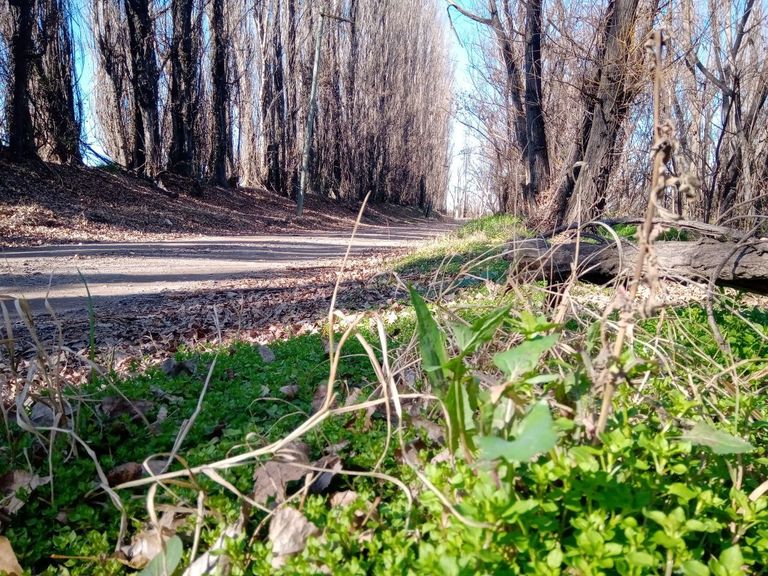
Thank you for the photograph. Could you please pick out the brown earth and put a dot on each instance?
(234, 263)
(48, 203)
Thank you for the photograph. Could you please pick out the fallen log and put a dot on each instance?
(710, 230)
(741, 265)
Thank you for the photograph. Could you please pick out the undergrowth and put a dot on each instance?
(462, 428)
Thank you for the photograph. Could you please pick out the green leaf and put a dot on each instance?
(432, 343)
(536, 435)
(463, 335)
(166, 562)
(732, 560)
(524, 357)
(555, 558)
(457, 405)
(519, 508)
(720, 442)
(695, 568)
(481, 331)
(637, 558)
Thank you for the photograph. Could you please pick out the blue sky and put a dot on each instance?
(464, 37)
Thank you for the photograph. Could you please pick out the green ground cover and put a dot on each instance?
(487, 463)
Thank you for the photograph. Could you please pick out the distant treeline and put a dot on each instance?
(219, 90)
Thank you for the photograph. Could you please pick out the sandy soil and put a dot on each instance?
(124, 273)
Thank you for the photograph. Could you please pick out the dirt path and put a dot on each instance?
(128, 273)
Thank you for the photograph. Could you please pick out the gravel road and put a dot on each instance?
(125, 272)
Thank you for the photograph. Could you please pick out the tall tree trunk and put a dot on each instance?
(537, 155)
(53, 86)
(311, 113)
(584, 195)
(144, 78)
(183, 75)
(113, 101)
(221, 131)
(21, 131)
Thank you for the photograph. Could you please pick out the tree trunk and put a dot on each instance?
(53, 87)
(737, 266)
(312, 111)
(221, 135)
(183, 75)
(537, 155)
(21, 131)
(585, 197)
(144, 78)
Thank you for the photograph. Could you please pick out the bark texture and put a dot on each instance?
(737, 265)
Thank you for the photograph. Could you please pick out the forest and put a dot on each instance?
(558, 104)
(388, 287)
(221, 92)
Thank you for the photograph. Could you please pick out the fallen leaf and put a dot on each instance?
(318, 399)
(124, 473)
(14, 481)
(42, 415)
(271, 479)
(116, 406)
(343, 499)
(148, 544)
(435, 432)
(166, 561)
(8, 562)
(172, 367)
(215, 561)
(289, 531)
(266, 354)
(290, 391)
(332, 464)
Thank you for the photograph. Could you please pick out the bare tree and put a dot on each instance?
(527, 113)
(184, 75)
(21, 132)
(144, 80)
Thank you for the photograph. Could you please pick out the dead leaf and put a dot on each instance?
(149, 542)
(332, 464)
(161, 394)
(336, 448)
(125, 473)
(116, 406)
(318, 399)
(343, 499)
(290, 391)
(271, 479)
(266, 354)
(8, 562)
(14, 481)
(353, 397)
(412, 452)
(435, 432)
(289, 531)
(145, 546)
(172, 367)
(42, 415)
(214, 561)
(443, 456)
(162, 414)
